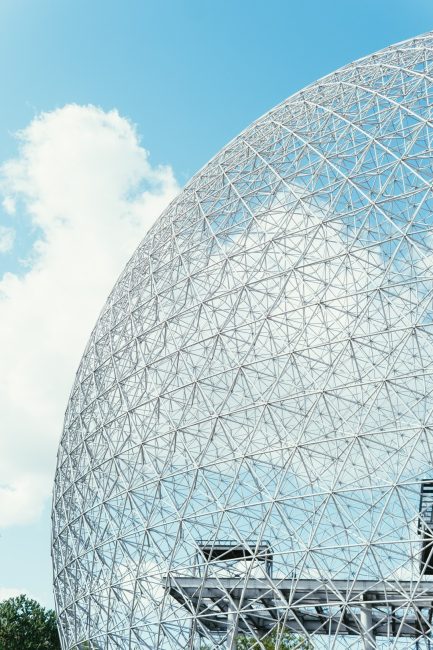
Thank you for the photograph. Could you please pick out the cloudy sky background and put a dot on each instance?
(106, 111)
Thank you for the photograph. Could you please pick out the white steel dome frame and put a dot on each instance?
(247, 450)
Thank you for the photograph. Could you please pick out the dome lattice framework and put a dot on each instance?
(247, 450)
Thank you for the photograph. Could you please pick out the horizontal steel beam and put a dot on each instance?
(313, 606)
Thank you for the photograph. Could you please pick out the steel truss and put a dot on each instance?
(308, 607)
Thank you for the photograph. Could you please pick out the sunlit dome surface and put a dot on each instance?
(252, 415)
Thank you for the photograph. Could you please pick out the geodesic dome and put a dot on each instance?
(247, 449)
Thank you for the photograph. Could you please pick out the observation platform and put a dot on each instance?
(307, 606)
(243, 604)
(224, 551)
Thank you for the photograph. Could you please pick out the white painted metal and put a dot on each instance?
(262, 374)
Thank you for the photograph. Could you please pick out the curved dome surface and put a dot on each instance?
(251, 420)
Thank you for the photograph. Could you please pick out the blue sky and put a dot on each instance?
(189, 75)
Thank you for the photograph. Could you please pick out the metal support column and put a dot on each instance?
(232, 630)
(366, 620)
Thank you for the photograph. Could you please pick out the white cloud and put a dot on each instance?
(12, 592)
(7, 238)
(8, 204)
(41, 598)
(91, 191)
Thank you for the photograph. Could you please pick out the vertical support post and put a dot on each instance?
(192, 643)
(366, 619)
(232, 630)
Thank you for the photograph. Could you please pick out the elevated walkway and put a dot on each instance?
(364, 608)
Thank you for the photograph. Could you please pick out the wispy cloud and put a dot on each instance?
(7, 238)
(8, 204)
(90, 190)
